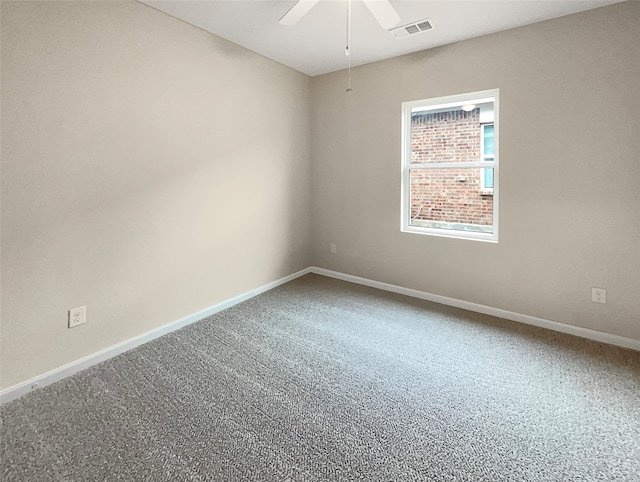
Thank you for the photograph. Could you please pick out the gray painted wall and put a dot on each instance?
(569, 159)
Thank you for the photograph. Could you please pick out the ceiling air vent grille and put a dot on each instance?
(412, 29)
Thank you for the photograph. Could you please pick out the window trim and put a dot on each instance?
(406, 166)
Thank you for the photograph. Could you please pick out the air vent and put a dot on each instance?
(412, 29)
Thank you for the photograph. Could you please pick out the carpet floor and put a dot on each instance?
(322, 380)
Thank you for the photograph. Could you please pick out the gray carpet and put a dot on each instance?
(325, 380)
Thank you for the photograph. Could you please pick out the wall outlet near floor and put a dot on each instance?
(332, 248)
(599, 295)
(77, 316)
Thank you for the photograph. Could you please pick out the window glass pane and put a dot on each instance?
(449, 134)
(488, 178)
(487, 131)
(450, 198)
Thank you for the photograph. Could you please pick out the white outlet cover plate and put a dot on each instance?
(599, 295)
(77, 316)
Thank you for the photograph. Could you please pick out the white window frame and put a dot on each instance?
(447, 102)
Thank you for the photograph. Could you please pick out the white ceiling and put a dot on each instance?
(316, 44)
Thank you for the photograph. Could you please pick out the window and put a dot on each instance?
(450, 166)
(486, 179)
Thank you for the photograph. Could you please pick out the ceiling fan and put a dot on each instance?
(382, 10)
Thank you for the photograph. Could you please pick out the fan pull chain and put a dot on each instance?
(348, 49)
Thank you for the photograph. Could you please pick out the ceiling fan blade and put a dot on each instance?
(298, 11)
(384, 12)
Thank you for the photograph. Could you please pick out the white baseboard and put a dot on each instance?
(599, 336)
(69, 369)
(16, 391)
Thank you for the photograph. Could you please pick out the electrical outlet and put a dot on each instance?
(599, 295)
(77, 316)
(332, 248)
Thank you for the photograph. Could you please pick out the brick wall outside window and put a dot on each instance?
(449, 195)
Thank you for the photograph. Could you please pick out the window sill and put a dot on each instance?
(486, 192)
(472, 232)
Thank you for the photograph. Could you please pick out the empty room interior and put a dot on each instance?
(320, 240)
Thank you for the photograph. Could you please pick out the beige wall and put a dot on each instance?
(570, 170)
(149, 171)
(137, 180)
